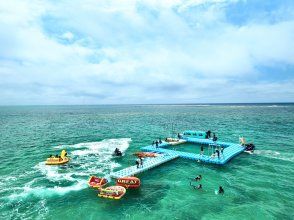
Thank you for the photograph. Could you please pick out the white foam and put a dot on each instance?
(86, 159)
(275, 155)
(44, 192)
(51, 172)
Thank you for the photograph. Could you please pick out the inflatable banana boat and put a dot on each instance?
(57, 160)
(145, 154)
(97, 182)
(128, 182)
(112, 192)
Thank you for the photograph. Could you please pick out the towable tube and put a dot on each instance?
(62, 159)
(112, 192)
(145, 154)
(128, 182)
(97, 182)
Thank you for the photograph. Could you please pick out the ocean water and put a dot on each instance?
(258, 186)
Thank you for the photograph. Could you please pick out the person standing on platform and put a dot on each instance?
(217, 152)
(141, 162)
(138, 163)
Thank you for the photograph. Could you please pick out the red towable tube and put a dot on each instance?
(128, 182)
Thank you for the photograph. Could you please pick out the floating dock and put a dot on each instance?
(148, 164)
(230, 151)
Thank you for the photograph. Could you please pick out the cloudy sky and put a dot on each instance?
(149, 51)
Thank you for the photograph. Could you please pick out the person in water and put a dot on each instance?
(160, 142)
(221, 190)
(208, 134)
(156, 143)
(198, 178)
(198, 187)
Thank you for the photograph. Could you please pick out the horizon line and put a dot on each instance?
(216, 103)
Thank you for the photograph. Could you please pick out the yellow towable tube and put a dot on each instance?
(112, 192)
(58, 160)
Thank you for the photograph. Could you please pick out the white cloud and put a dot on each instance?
(137, 52)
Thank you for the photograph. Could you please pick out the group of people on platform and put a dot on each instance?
(198, 178)
(218, 152)
(209, 135)
(157, 142)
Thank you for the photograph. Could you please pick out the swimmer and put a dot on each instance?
(198, 187)
(221, 190)
(198, 178)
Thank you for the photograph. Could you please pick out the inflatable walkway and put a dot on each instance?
(148, 164)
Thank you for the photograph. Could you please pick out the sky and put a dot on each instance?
(64, 52)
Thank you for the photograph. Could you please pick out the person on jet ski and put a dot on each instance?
(117, 152)
(249, 147)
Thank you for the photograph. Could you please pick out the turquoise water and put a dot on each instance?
(258, 186)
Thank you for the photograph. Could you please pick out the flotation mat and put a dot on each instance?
(146, 154)
(112, 192)
(128, 182)
(59, 160)
(97, 182)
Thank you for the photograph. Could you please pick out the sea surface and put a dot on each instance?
(258, 186)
